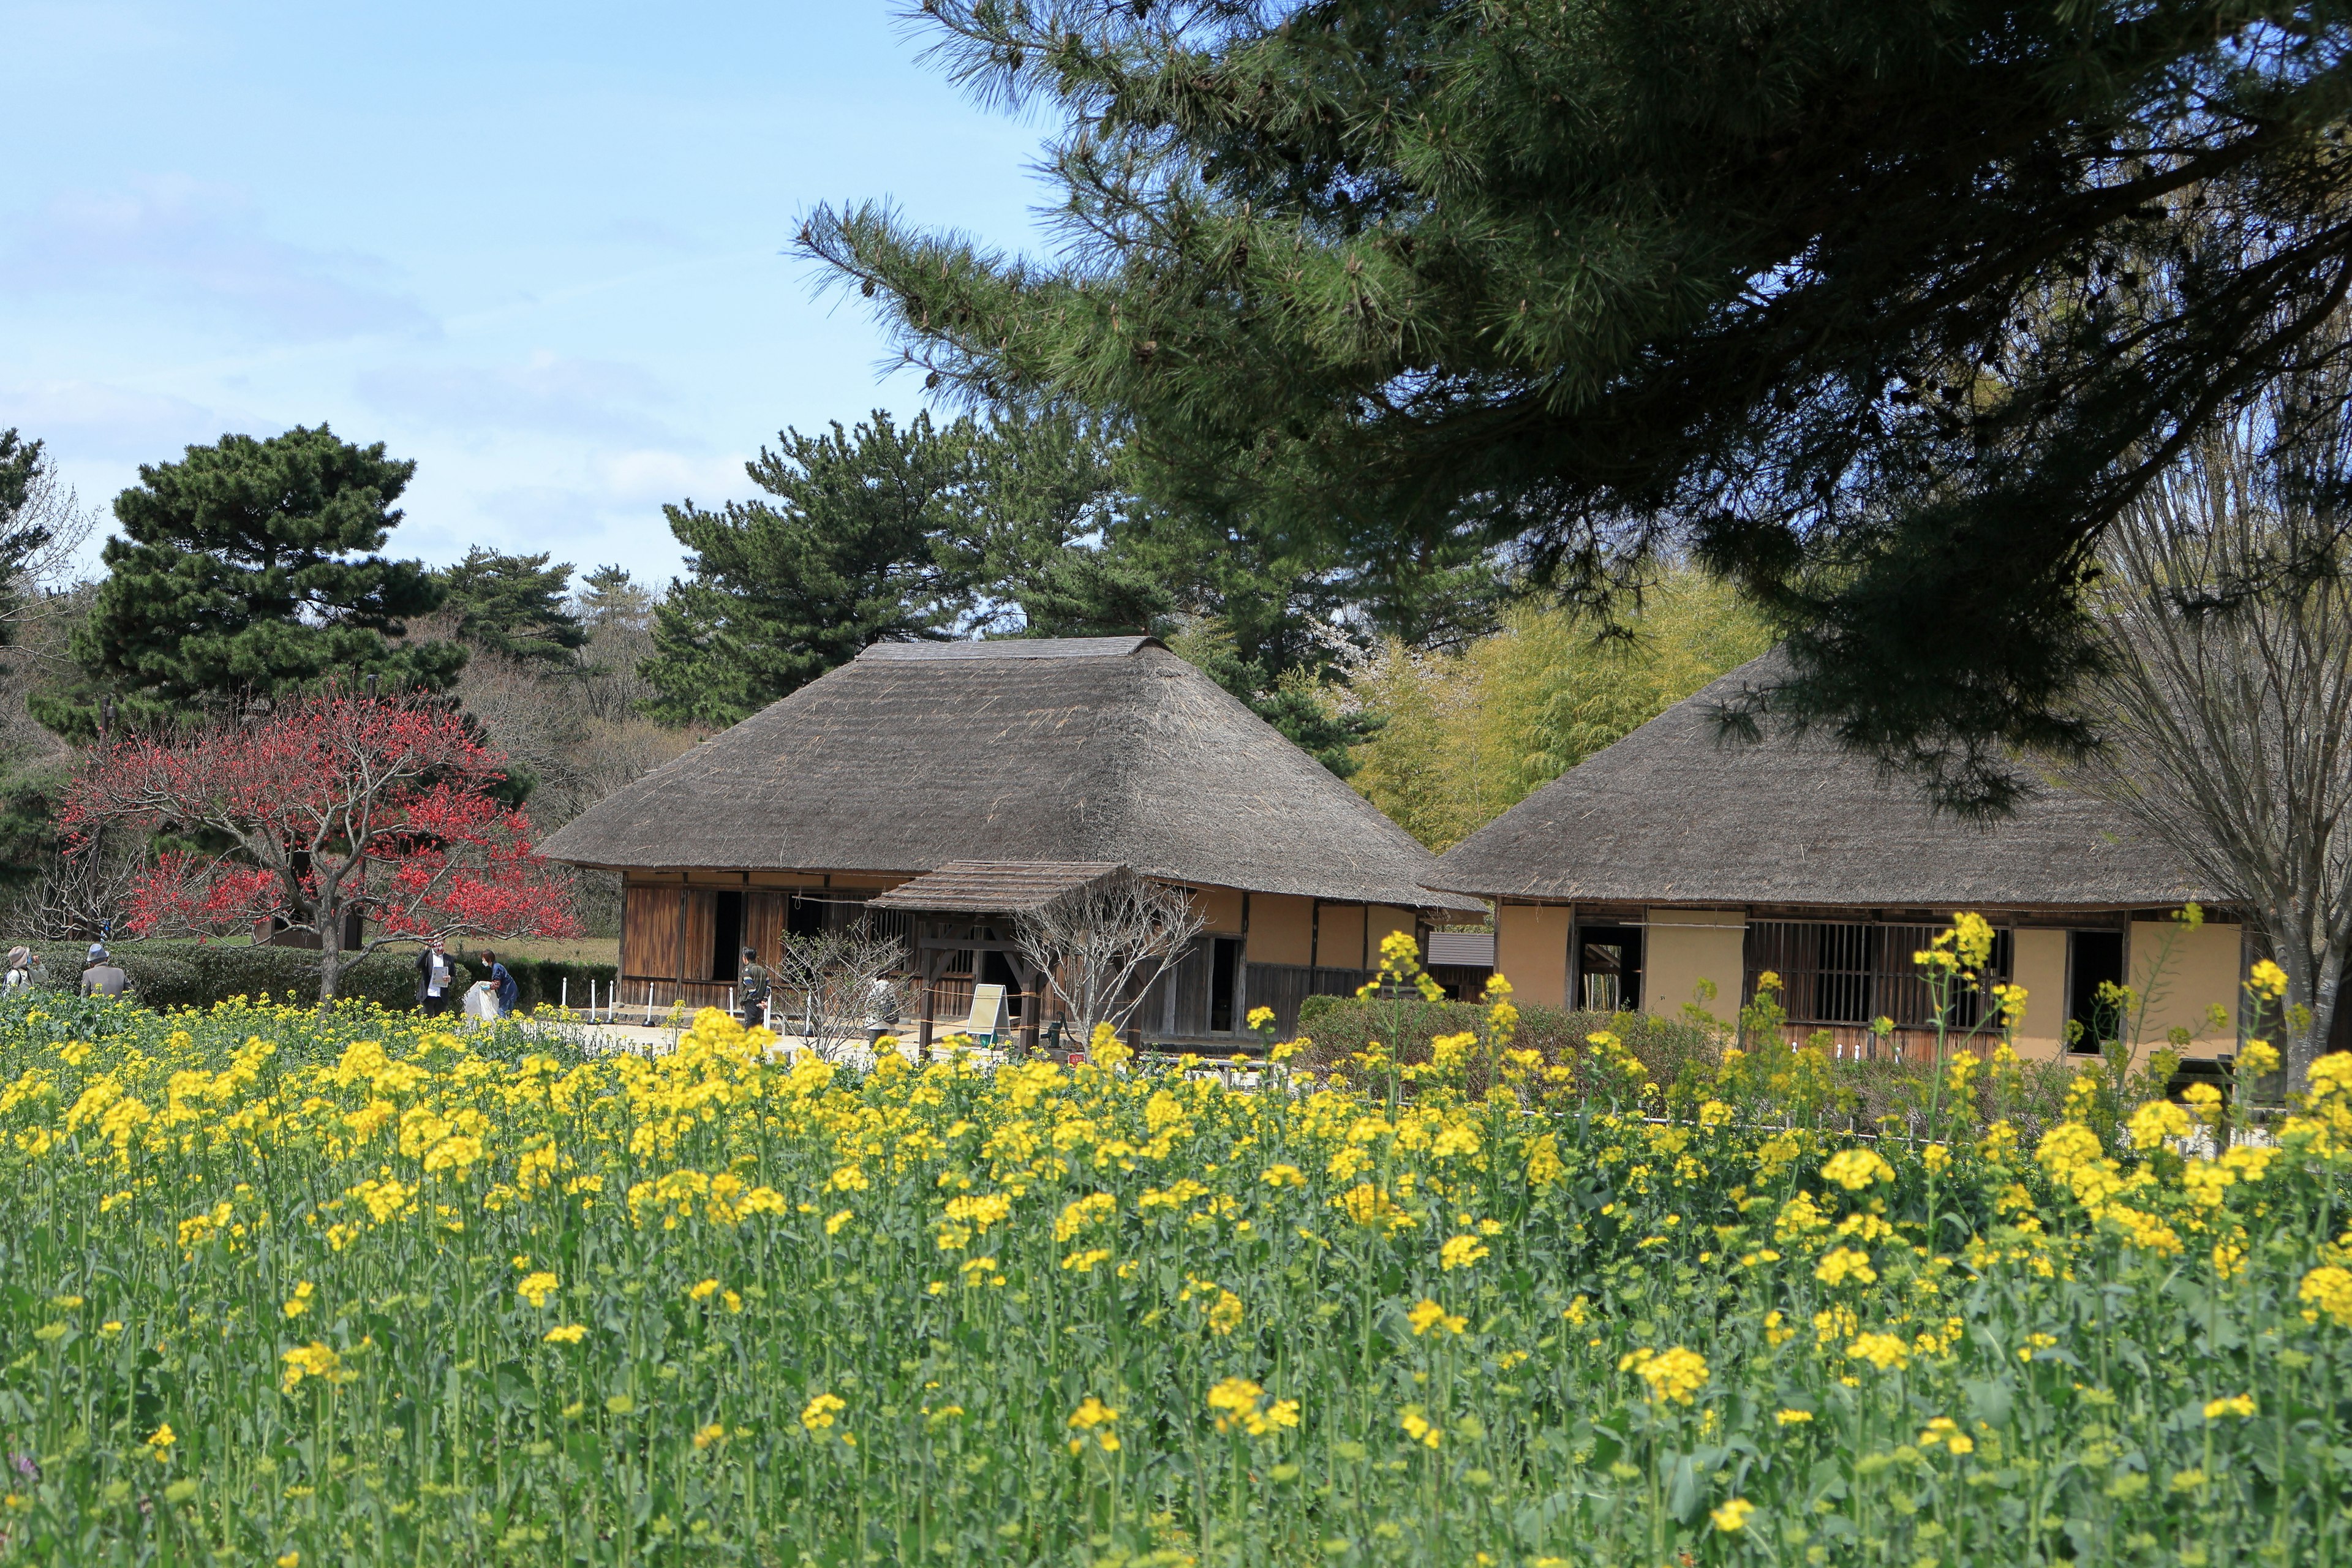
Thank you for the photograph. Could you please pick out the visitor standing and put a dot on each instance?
(755, 986)
(102, 976)
(436, 978)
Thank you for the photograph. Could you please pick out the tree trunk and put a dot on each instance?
(328, 918)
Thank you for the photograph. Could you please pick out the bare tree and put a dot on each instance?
(2226, 708)
(86, 897)
(829, 984)
(1099, 948)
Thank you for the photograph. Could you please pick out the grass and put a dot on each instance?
(308, 1291)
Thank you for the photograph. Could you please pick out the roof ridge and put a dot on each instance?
(981, 649)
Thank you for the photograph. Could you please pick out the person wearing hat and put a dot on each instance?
(100, 975)
(20, 969)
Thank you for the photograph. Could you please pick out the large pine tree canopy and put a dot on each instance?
(1882, 311)
(250, 569)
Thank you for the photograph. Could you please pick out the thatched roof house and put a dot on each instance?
(1101, 750)
(1677, 856)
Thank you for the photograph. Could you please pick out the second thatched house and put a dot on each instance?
(1673, 859)
(1022, 754)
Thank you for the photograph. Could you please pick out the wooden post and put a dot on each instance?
(927, 962)
(1032, 1003)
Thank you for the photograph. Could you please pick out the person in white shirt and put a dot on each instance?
(436, 978)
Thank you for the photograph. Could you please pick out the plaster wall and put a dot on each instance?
(1531, 951)
(1683, 947)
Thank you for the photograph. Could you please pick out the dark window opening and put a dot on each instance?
(1842, 991)
(1222, 964)
(2093, 958)
(725, 937)
(1608, 969)
(996, 969)
(804, 916)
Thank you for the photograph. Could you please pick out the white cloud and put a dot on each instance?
(653, 476)
(600, 399)
(204, 246)
(94, 420)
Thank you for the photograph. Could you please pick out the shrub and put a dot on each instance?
(1342, 1026)
(193, 974)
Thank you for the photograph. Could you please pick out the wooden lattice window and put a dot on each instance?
(1856, 972)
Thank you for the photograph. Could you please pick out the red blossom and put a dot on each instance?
(325, 806)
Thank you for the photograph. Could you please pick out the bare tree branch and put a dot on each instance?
(1099, 949)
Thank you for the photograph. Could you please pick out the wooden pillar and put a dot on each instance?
(928, 961)
(1240, 973)
(1167, 973)
(1032, 1003)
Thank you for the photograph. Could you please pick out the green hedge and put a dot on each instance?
(1341, 1026)
(189, 975)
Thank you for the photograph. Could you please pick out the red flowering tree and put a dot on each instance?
(329, 807)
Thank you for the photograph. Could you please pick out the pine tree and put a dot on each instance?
(609, 596)
(20, 539)
(513, 605)
(249, 569)
(860, 544)
(1842, 299)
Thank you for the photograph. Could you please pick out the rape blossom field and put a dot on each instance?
(287, 1289)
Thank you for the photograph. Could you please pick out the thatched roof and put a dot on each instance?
(1098, 748)
(995, 887)
(1675, 813)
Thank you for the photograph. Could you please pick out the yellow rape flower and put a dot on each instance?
(1673, 1375)
(818, 1414)
(1094, 1417)
(1945, 1431)
(314, 1360)
(2239, 1404)
(1793, 1417)
(1461, 1252)
(1419, 1427)
(537, 1287)
(1842, 1264)
(1732, 1517)
(702, 1290)
(565, 1334)
(1427, 1314)
(1885, 1351)
(2328, 1289)
(1854, 1169)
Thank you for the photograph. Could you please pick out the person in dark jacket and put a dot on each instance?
(503, 984)
(436, 979)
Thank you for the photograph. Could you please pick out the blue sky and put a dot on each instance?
(534, 246)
